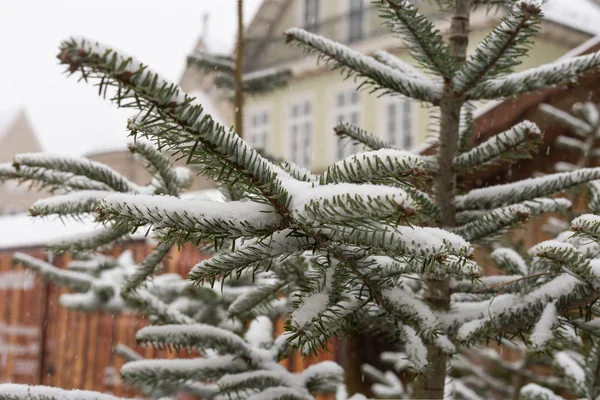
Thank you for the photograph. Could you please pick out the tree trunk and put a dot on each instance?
(239, 69)
(437, 295)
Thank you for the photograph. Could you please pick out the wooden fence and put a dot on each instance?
(41, 342)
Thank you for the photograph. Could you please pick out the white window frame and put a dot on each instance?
(341, 149)
(312, 26)
(303, 155)
(345, 26)
(398, 141)
(258, 135)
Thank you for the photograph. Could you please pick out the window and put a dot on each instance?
(300, 132)
(257, 129)
(310, 15)
(356, 19)
(347, 109)
(398, 123)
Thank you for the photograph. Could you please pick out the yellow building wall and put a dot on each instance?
(321, 84)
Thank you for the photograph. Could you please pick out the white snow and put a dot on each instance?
(46, 392)
(542, 331)
(161, 210)
(535, 391)
(571, 368)
(312, 305)
(407, 302)
(260, 332)
(368, 66)
(414, 348)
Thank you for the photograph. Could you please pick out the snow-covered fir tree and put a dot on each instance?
(386, 237)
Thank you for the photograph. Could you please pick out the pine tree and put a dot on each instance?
(389, 235)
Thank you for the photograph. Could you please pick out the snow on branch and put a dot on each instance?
(210, 218)
(265, 80)
(195, 336)
(542, 331)
(175, 371)
(516, 143)
(82, 242)
(49, 179)
(159, 166)
(256, 301)
(12, 391)
(147, 268)
(323, 377)
(509, 261)
(394, 62)
(212, 62)
(420, 35)
(500, 51)
(486, 226)
(405, 303)
(587, 225)
(527, 189)
(79, 202)
(74, 280)
(575, 125)
(378, 166)
(375, 73)
(531, 79)
(173, 119)
(347, 202)
(78, 166)
(533, 391)
(252, 252)
(359, 136)
(422, 242)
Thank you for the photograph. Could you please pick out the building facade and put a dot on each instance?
(297, 122)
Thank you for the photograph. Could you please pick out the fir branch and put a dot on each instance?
(49, 179)
(148, 267)
(394, 62)
(379, 166)
(13, 391)
(173, 119)
(536, 78)
(196, 336)
(575, 125)
(78, 166)
(280, 244)
(509, 261)
(359, 136)
(89, 241)
(348, 203)
(209, 218)
(210, 62)
(374, 73)
(176, 371)
(74, 280)
(500, 51)
(266, 80)
(74, 203)
(420, 35)
(519, 142)
(466, 127)
(297, 172)
(488, 227)
(527, 189)
(159, 166)
(256, 301)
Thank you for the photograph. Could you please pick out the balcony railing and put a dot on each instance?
(350, 28)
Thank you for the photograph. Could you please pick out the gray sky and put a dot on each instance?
(69, 117)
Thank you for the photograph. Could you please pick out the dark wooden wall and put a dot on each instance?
(44, 343)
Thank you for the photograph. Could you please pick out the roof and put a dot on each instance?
(7, 117)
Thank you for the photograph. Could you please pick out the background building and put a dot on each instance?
(297, 122)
